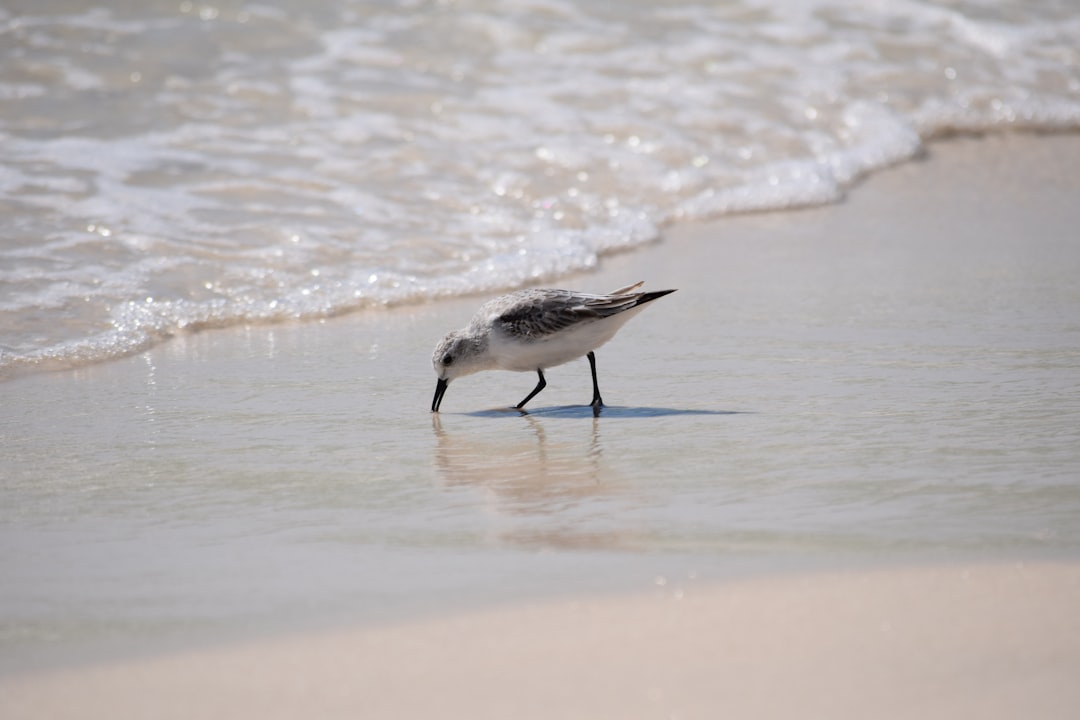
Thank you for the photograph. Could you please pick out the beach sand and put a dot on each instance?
(886, 387)
(987, 642)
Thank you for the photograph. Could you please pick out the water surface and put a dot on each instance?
(172, 165)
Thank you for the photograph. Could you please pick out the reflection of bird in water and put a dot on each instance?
(523, 469)
(532, 330)
(540, 492)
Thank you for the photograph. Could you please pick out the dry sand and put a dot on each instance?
(947, 642)
(990, 221)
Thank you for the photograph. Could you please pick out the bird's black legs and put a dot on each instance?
(596, 401)
(539, 386)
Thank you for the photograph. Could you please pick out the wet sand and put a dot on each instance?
(886, 386)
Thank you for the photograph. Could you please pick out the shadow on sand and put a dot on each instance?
(587, 411)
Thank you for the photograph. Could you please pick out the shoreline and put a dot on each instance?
(668, 232)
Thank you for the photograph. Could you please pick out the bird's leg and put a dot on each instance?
(597, 402)
(539, 386)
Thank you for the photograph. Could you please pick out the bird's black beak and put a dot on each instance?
(440, 390)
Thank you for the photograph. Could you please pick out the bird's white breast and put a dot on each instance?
(574, 342)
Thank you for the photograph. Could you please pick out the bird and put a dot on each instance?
(535, 329)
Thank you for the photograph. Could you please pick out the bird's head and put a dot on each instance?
(456, 355)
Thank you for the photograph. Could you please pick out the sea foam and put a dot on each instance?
(172, 167)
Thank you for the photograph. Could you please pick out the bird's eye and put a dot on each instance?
(447, 359)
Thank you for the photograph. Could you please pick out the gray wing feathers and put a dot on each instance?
(538, 313)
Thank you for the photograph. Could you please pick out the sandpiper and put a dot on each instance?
(532, 330)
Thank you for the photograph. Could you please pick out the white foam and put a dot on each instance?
(267, 165)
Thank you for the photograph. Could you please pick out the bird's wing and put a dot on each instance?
(607, 305)
(628, 288)
(539, 313)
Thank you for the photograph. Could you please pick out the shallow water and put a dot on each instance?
(175, 165)
(850, 389)
(899, 389)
